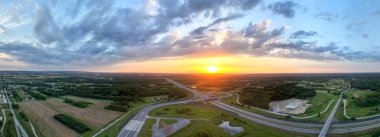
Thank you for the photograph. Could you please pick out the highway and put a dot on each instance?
(299, 127)
(19, 129)
(165, 131)
(133, 127)
(327, 124)
(235, 110)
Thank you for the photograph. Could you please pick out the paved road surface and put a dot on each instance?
(327, 124)
(297, 126)
(133, 127)
(19, 129)
(166, 131)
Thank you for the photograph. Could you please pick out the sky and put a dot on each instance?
(188, 36)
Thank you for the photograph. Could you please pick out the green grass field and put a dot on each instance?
(358, 111)
(319, 103)
(253, 110)
(146, 130)
(206, 118)
(339, 115)
(9, 128)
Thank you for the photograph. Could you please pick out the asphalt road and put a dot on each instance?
(166, 131)
(327, 124)
(133, 127)
(299, 127)
(19, 129)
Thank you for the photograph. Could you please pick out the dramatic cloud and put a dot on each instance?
(303, 34)
(327, 16)
(114, 34)
(200, 30)
(10, 19)
(286, 8)
(259, 40)
(100, 33)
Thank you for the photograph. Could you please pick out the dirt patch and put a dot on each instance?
(290, 106)
(42, 116)
(356, 95)
(321, 91)
(94, 115)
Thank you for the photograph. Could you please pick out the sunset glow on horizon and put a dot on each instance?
(212, 69)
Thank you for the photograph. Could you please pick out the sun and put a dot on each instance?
(212, 69)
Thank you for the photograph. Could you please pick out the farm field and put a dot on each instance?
(42, 117)
(134, 108)
(94, 115)
(27, 124)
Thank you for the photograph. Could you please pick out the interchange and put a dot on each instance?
(133, 127)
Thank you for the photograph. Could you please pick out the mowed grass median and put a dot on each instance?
(146, 130)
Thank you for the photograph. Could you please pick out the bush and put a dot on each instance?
(15, 106)
(184, 110)
(376, 134)
(203, 133)
(116, 107)
(71, 123)
(23, 116)
(81, 104)
(166, 109)
(353, 118)
(37, 96)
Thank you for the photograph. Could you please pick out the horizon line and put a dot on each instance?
(190, 73)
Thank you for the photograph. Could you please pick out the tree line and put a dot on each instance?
(81, 104)
(71, 123)
(262, 96)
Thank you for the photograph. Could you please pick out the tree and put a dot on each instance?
(203, 133)
(288, 117)
(352, 118)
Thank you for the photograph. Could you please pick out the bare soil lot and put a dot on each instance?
(42, 116)
(290, 106)
(94, 115)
